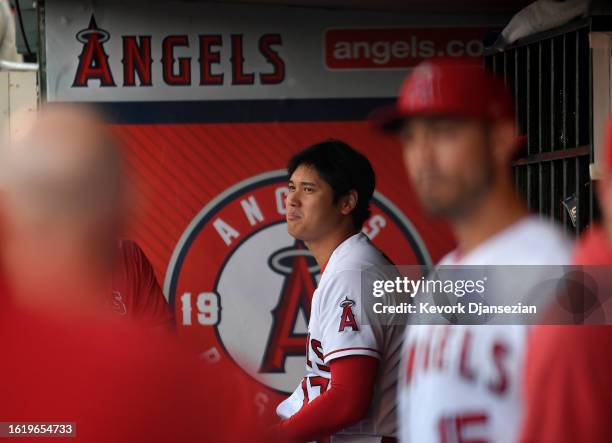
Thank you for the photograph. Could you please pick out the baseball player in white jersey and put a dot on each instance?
(348, 392)
(461, 383)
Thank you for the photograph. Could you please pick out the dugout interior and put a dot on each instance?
(560, 80)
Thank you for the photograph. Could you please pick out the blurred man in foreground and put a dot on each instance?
(65, 359)
(63, 212)
(462, 382)
(568, 387)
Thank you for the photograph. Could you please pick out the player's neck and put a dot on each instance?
(323, 248)
(496, 212)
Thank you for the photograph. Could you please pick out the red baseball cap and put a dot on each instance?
(454, 87)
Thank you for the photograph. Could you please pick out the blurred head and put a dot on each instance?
(456, 126)
(330, 188)
(62, 200)
(453, 163)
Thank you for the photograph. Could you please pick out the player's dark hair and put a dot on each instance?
(344, 169)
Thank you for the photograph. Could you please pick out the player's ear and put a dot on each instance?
(503, 141)
(348, 202)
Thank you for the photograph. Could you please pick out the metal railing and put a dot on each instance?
(550, 77)
(6, 65)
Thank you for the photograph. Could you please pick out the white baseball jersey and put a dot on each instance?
(461, 383)
(336, 330)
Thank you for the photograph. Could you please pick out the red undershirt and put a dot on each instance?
(345, 403)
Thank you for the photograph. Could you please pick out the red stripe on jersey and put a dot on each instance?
(350, 349)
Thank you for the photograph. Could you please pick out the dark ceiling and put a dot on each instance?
(442, 6)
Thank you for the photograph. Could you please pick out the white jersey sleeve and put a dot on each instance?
(342, 328)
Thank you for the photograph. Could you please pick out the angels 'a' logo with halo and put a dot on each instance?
(93, 61)
(241, 286)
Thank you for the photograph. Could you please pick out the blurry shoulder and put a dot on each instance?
(594, 248)
(530, 241)
(573, 340)
(130, 251)
(541, 241)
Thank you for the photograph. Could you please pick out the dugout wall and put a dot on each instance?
(210, 101)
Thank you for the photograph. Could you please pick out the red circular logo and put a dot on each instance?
(241, 285)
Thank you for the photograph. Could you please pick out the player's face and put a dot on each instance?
(311, 212)
(449, 162)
